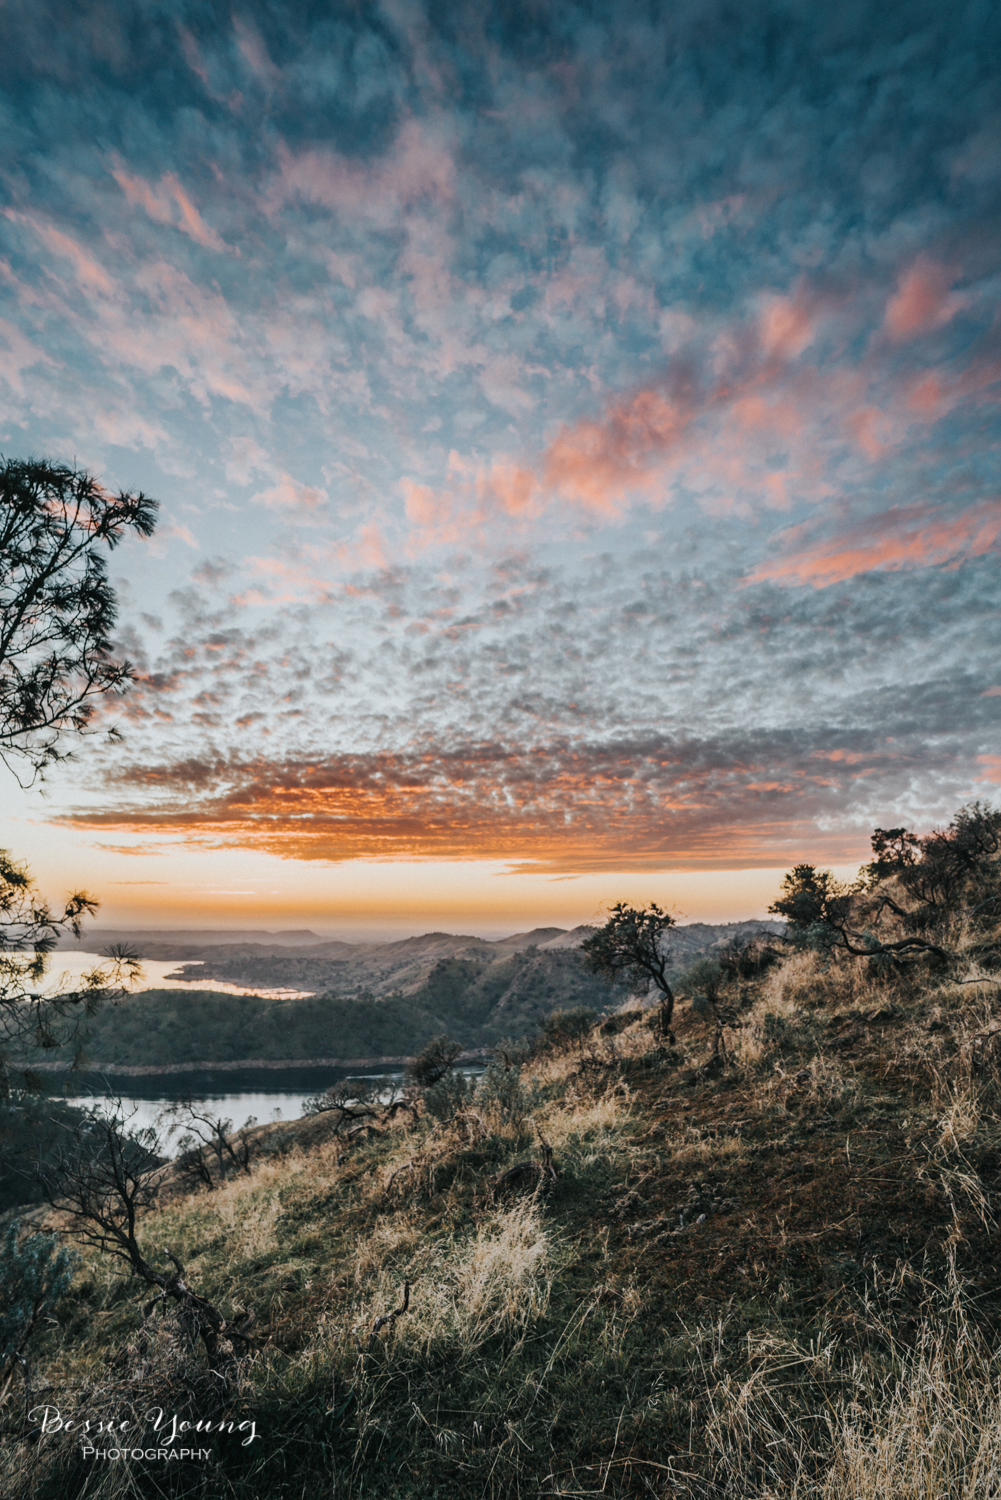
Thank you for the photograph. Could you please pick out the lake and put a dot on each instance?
(237, 1095)
(265, 1095)
(65, 971)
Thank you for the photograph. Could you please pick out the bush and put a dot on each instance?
(504, 1088)
(34, 1274)
(444, 1099)
(432, 1063)
(563, 1029)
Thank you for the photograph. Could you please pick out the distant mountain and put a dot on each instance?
(179, 943)
(377, 970)
(369, 1000)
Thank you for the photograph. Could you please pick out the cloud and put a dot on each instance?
(566, 806)
(533, 332)
(290, 496)
(916, 536)
(923, 301)
(168, 203)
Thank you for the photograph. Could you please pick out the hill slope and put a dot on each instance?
(767, 1271)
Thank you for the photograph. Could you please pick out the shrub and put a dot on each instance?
(505, 1089)
(433, 1062)
(444, 1099)
(34, 1274)
(563, 1029)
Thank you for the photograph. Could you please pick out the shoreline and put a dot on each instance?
(147, 1070)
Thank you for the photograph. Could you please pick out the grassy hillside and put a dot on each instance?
(765, 1267)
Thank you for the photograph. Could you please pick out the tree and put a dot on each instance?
(629, 949)
(29, 1017)
(351, 1099)
(433, 1062)
(104, 1179)
(944, 868)
(57, 608)
(821, 914)
(203, 1136)
(812, 901)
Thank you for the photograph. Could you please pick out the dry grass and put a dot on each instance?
(465, 1288)
(575, 1337)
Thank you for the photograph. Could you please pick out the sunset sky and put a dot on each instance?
(577, 434)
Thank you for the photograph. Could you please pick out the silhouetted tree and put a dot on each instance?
(57, 608)
(104, 1179)
(629, 948)
(947, 871)
(433, 1062)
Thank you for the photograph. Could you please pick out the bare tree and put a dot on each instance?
(350, 1099)
(204, 1137)
(104, 1180)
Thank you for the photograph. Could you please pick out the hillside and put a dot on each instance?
(477, 1003)
(758, 1269)
(404, 967)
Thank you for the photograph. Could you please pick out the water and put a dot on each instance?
(66, 970)
(262, 1094)
(263, 1099)
(240, 1108)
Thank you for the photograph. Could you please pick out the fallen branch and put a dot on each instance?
(385, 1320)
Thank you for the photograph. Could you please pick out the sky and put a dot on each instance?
(576, 430)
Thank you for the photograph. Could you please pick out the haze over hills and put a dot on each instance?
(175, 939)
(300, 960)
(364, 1001)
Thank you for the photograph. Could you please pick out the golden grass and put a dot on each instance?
(541, 1325)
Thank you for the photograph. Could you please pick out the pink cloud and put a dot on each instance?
(785, 328)
(915, 536)
(192, 56)
(168, 203)
(19, 354)
(596, 463)
(89, 272)
(254, 52)
(922, 301)
(290, 495)
(420, 166)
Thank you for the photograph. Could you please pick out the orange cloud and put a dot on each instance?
(915, 536)
(559, 806)
(597, 463)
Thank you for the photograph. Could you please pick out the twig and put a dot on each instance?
(384, 1320)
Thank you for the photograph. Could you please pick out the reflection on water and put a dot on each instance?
(245, 1093)
(264, 1094)
(239, 1108)
(66, 970)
